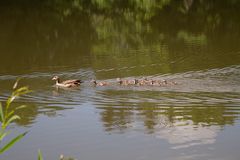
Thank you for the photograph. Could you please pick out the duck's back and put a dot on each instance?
(73, 81)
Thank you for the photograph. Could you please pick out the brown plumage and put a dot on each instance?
(67, 83)
(127, 82)
(99, 83)
(145, 82)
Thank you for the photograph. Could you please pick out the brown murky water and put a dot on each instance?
(194, 44)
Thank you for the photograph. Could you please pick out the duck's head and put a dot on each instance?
(93, 81)
(55, 78)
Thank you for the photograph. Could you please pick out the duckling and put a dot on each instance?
(171, 83)
(145, 81)
(158, 82)
(67, 83)
(163, 83)
(120, 81)
(99, 83)
(127, 82)
(135, 81)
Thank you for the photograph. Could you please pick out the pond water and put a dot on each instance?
(193, 43)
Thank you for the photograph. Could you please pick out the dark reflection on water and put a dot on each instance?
(194, 43)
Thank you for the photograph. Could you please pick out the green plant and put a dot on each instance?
(7, 116)
(40, 157)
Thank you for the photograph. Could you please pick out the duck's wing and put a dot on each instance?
(73, 81)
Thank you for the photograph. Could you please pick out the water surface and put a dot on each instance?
(193, 43)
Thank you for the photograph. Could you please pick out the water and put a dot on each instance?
(196, 119)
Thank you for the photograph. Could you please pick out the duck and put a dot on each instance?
(145, 81)
(152, 82)
(67, 83)
(163, 83)
(158, 82)
(99, 83)
(127, 82)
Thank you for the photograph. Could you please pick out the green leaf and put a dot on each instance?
(2, 135)
(21, 107)
(1, 113)
(12, 142)
(21, 91)
(9, 101)
(40, 157)
(16, 83)
(9, 114)
(14, 117)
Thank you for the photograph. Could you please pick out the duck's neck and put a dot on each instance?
(57, 81)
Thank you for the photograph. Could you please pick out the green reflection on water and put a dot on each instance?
(152, 111)
(127, 38)
(61, 35)
(118, 119)
(133, 38)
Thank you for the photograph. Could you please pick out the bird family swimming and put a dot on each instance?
(126, 82)
(67, 83)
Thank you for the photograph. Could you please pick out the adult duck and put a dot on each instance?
(67, 83)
